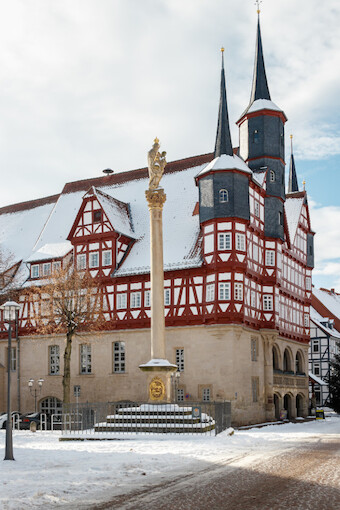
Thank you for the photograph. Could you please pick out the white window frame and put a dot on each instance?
(135, 299)
(210, 292)
(119, 358)
(224, 291)
(268, 302)
(147, 298)
(308, 283)
(306, 320)
(256, 209)
(85, 359)
(315, 346)
(223, 196)
(240, 242)
(224, 241)
(81, 261)
(35, 271)
(238, 291)
(167, 297)
(56, 266)
(270, 258)
(206, 395)
(107, 258)
(180, 395)
(46, 269)
(54, 360)
(93, 259)
(317, 368)
(121, 301)
(179, 354)
(272, 176)
(253, 299)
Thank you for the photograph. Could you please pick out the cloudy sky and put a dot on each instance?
(87, 84)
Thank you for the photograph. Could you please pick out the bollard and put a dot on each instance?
(33, 426)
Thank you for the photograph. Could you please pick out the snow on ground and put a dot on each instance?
(48, 473)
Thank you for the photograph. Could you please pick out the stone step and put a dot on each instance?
(198, 428)
(151, 419)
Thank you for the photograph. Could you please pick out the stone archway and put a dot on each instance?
(277, 406)
(300, 405)
(287, 405)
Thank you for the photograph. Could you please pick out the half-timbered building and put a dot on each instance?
(238, 259)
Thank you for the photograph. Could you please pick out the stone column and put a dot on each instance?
(158, 368)
(268, 341)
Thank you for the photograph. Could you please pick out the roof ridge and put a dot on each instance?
(29, 204)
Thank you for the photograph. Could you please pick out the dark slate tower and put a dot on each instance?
(292, 183)
(226, 174)
(261, 129)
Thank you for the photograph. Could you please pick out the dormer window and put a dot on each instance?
(97, 216)
(35, 271)
(223, 195)
(272, 176)
(256, 136)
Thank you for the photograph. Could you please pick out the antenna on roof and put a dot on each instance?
(107, 171)
(258, 2)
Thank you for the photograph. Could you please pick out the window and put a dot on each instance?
(85, 359)
(280, 218)
(308, 283)
(306, 320)
(224, 241)
(268, 302)
(253, 346)
(256, 136)
(147, 298)
(56, 266)
(238, 291)
(240, 242)
(119, 357)
(315, 345)
(272, 176)
(54, 360)
(223, 195)
(255, 252)
(210, 292)
(224, 291)
(316, 368)
(180, 395)
(107, 258)
(317, 392)
(135, 301)
(81, 261)
(206, 394)
(270, 258)
(167, 297)
(180, 360)
(253, 298)
(121, 301)
(47, 269)
(299, 363)
(35, 271)
(97, 216)
(257, 209)
(94, 259)
(51, 405)
(254, 388)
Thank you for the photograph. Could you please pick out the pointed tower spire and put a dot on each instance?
(292, 183)
(223, 140)
(260, 88)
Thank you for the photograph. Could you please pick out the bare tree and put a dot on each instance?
(68, 303)
(8, 270)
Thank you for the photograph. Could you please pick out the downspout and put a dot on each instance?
(18, 357)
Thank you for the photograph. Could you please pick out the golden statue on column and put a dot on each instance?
(158, 368)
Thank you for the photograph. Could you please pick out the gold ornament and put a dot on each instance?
(155, 198)
(157, 389)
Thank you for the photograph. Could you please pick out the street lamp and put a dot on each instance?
(9, 311)
(35, 392)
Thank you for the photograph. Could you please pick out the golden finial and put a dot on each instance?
(156, 140)
(258, 2)
(291, 144)
(222, 50)
(291, 137)
(304, 185)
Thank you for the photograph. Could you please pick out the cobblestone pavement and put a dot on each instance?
(304, 479)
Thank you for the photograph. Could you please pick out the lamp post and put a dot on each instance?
(9, 310)
(35, 392)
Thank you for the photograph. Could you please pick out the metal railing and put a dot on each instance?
(139, 417)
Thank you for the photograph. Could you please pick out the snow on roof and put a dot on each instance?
(117, 213)
(317, 379)
(50, 251)
(329, 299)
(21, 226)
(225, 162)
(259, 177)
(293, 207)
(263, 104)
(320, 322)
